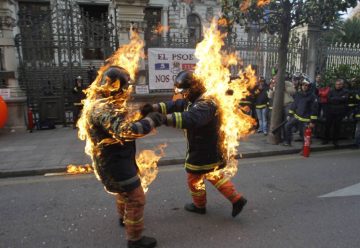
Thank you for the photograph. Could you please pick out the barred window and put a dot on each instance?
(194, 24)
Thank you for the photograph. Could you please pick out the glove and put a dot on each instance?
(157, 118)
(146, 109)
(288, 118)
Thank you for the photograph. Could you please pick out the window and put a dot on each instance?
(194, 24)
(153, 20)
(36, 31)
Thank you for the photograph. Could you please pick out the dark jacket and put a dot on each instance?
(305, 107)
(78, 95)
(357, 110)
(114, 150)
(352, 101)
(338, 101)
(201, 121)
(261, 98)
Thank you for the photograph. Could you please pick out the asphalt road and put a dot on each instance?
(284, 209)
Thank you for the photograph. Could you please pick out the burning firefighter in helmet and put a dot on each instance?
(113, 152)
(199, 117)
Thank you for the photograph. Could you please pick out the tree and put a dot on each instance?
(346, 32)
(280, 17)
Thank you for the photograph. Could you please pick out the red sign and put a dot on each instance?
(188, 67)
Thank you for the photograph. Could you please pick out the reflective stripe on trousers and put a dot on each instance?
(198, 192)
(130, 206)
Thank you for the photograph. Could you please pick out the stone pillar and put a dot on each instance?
(165, 19)
(15, 100)
(312, 33)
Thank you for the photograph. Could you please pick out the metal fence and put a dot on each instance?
(57, 42)
(342, 54)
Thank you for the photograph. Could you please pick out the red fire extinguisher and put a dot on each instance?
(30, 120)
(307, 141)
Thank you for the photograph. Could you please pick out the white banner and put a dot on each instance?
(166, 63)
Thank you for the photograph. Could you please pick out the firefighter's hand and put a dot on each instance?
(288, 118)
(146, 109)
(311, 125)
(157, 118)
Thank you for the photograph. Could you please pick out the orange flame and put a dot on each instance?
(212, 70)
(245, 4)
(222, 22)
(79, 169)
(161, 29)
(147, 162)
(262, 3)
(128, 57)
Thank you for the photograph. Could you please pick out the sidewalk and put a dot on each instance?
(44, 151)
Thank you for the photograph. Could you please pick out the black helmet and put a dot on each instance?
(298, 76)
(184, 80)
(115, 73)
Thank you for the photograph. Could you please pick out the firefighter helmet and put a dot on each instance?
(117, 78)
(187, 84)
(115, 73)
(184, 80)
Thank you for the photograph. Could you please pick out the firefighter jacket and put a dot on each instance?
(114, 146)
(357, 110)
(78, 95)
(261, 98)
(305, 107)
(201, 123)
(338, 100)
(247, 101)
(352, 101)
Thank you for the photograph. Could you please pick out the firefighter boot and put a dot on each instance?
(238, 206)
(144, 242)
(192, 208)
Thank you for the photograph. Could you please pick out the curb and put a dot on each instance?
(171, 161)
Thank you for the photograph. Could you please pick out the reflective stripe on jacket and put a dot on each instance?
(305, 107)
(201, 122)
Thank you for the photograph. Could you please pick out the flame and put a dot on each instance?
(79, 169)
(147, 162)
(245, 4)
(128, 56)
(161, 29)
(223, 22)
(212, 70)
(262, 3)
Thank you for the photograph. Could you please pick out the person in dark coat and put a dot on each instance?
(112, 138)
(302, 113)
(261, 105)
(337, 110)
(78, 96)
(357, 118)
(199, 117)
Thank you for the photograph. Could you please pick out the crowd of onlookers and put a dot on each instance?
(307, 104)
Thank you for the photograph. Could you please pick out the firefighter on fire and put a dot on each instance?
(199, 117)
(303, 112)
(114, 152)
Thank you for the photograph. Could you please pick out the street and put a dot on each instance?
(289, 205)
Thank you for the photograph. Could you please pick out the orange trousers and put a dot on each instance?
(130, 206)
(198, 191)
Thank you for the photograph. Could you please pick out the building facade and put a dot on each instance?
(46, 44)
